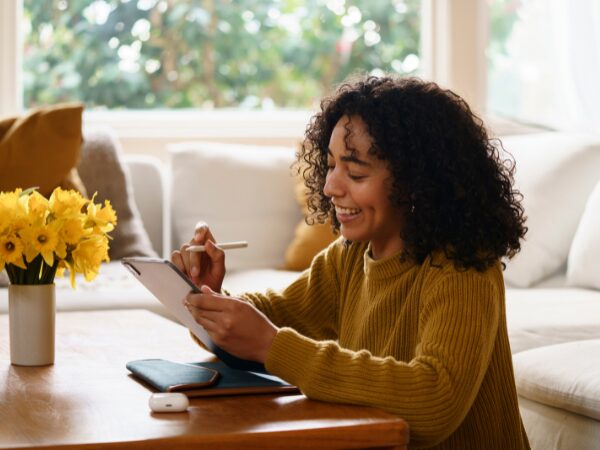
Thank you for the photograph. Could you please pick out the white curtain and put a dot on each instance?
(578, 27)
(551, 74)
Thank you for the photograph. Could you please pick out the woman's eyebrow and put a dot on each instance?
(351, 158)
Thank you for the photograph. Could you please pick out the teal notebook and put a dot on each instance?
(203, 379)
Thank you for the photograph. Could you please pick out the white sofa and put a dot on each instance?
(553, 286)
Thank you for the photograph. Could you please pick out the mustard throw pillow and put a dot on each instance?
(308, 239)
(41, 149)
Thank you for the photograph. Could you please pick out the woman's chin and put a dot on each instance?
(349, 235)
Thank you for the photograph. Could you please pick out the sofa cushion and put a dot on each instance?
(41, 149)
(113, 288)
(555, 173)
(243, 192)
(259, 280)
(583, 267)
(564, 376)
(539, 317)
(548, 427)
(102, 170)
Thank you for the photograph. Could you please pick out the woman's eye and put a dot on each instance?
(356, 177)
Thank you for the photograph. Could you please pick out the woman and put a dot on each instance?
(405, 311)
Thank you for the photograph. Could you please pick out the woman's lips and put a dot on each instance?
(345, 215)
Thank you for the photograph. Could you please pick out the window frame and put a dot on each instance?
(10, 57)
(444, 36)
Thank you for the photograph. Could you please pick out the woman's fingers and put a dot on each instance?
(205, 318)
(207, 301)
(202, 236)
(177, 260)
(207, 267)
(234, 325)
(216, 254)
(195, 258)
(185, 258)
(202, 233)
(201, 226)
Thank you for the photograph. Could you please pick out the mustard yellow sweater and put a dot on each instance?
(426, 342)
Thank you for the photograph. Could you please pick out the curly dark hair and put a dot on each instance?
(458, 186)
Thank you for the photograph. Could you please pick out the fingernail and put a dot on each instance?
(195, 271)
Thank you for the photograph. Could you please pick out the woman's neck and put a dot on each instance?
(380, 250)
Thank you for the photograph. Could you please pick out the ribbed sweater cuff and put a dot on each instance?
(288, 351)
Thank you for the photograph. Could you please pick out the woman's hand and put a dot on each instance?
(203, 268)
(234, 325)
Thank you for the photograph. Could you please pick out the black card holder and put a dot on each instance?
(205, 378)
(169, 376)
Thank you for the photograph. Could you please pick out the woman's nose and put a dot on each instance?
(333, 187)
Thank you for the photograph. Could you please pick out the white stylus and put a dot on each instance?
(221, 245)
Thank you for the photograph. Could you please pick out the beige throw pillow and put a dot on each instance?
(583, 268)
(102, 171)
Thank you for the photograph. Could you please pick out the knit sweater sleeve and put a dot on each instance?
(435, 390)
(310, 304)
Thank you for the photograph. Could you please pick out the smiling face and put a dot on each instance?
(359, 186)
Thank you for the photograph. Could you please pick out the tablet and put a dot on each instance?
(170, 286)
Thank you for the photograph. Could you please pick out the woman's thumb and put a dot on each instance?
(206, 289)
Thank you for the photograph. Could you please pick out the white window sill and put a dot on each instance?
(195, 124)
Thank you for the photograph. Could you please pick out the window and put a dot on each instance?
(263, 109)
(243, 54)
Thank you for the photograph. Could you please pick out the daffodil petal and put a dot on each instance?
(48, 256)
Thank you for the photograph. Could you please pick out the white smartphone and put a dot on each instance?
(170, 286)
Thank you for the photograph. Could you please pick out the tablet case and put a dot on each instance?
(203, 379)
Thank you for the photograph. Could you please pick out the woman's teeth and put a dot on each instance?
(346, 211)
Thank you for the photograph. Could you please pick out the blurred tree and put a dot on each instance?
(503, 17)
(251, 54)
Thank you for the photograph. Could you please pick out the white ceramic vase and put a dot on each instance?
(32, 312)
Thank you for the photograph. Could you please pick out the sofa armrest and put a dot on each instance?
(147, 178)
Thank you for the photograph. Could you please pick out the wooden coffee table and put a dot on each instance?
(88, 400)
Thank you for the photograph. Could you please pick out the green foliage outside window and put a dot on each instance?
(146, 54)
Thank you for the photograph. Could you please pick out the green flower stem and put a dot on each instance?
(37, 272)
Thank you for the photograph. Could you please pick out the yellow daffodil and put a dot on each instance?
(71, 231)
(13, 211)
(44, 237)
(40, 239)
(38, 207)
(70, 266)
(102, 219)
(60, 270)
(89, 254)
(65, 204)
(11, 251)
